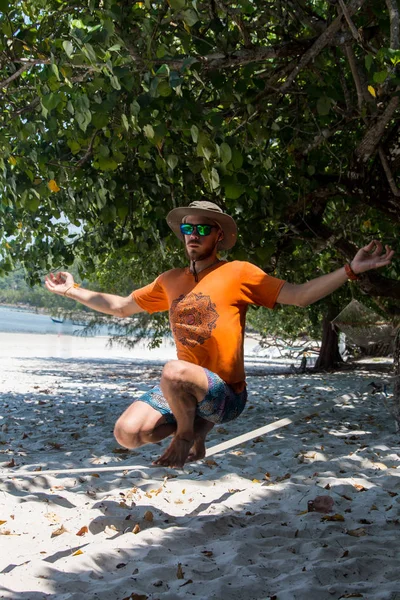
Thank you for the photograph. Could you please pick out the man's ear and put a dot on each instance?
(221, 236)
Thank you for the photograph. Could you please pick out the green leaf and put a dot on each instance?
(190, 17)
(226, 153)
(172, 161)
(33, 204)
(237, 159)
(177, 4)
(125, 121)
(50, 101)
(115, 83)
(106, 164)
(214, 179)
(164, 89)
(161, 51)
(233, 190)
(267, 163)
(54, 68)
(148, 131)
(369, 59)
(195, 133)
(311, 170)
(74, 146)
(324, 105)
(163, 71)
(88, 51)
(380, 76)
(83, 116)
(68, 48)
(135, 108)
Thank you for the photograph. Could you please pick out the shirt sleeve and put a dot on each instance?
(152, 297)
(258, 287)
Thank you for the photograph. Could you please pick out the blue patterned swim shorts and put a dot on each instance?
(219, 405)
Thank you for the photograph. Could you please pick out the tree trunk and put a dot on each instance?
(329, 355)
(396, 385)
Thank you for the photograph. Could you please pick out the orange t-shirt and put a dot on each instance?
(208, 317)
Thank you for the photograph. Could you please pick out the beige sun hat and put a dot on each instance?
(204, 208)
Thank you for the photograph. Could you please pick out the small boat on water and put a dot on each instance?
(57, 320)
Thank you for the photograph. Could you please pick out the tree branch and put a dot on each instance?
(88, 152)
(6, 82)
(394, 23)
(352, 27)
(323, 40)
(354, 71)
(373, 136)
(388, 173)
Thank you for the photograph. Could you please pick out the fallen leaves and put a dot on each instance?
(77, 553)
(359, 532)
(134, 596)
(83, 531)
(148, 516)
(360, 488)
(336, 517)
(179, 572)
(136, 529)
(59, 531)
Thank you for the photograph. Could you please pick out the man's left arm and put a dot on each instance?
(372, 256)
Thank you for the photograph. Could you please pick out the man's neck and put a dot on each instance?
(202, 264)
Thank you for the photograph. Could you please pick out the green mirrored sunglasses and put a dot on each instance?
(188, 228)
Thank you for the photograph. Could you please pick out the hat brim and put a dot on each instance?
(227, 224)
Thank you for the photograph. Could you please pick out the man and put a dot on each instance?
(207, 304)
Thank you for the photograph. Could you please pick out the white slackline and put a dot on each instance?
(240, 439)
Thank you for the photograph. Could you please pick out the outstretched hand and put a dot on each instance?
(372, 256)
(59, 283)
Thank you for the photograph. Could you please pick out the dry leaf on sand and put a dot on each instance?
(83, 530)
(359, 532)
(336, 517)
(179, 572)
(59, 531)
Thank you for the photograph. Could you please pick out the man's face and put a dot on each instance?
(200, 247)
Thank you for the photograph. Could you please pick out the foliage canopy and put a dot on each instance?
(114, 112)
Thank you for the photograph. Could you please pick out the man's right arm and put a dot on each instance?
(63, 284)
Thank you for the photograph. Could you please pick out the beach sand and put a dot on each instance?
(235, 525)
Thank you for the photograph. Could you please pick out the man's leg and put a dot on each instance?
(141, 424)
(183, 385)
(201, 429)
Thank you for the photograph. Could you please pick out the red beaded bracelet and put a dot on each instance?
(350, 273)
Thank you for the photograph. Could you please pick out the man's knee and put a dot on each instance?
(127, 435)
(176, 372)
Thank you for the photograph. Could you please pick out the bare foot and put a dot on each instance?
(201, 429)
(197, 451)
(176, 453)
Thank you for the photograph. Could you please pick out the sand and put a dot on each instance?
(235, 525)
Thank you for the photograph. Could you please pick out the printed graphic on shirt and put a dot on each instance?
(193, 317)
